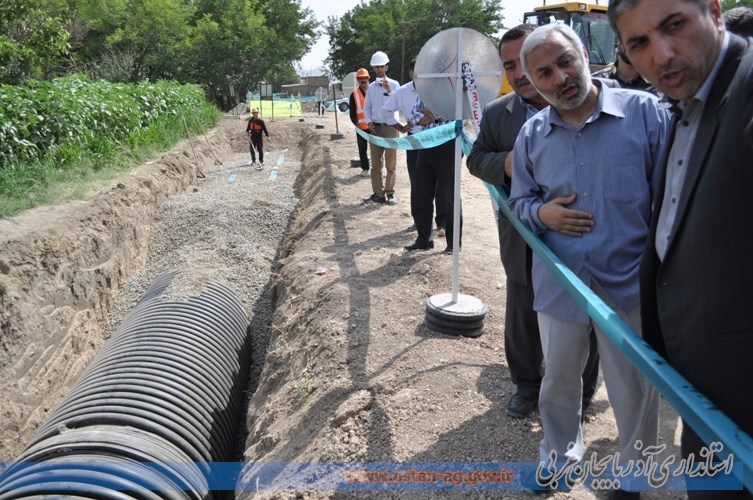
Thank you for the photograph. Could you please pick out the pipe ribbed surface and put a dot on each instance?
(159, 402)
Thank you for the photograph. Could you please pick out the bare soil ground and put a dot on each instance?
(347, 370)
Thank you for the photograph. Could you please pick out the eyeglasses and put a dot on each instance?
(363, 79)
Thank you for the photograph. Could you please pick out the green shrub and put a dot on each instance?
(64, 130)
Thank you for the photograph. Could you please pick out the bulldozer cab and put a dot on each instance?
(588, 20)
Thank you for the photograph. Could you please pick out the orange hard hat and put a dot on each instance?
(362, 73)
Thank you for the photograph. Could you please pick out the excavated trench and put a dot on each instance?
(70, 274)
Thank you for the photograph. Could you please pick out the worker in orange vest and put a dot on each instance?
(357, 116)
(254, 129)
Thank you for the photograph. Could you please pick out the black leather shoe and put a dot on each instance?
(520, 406)
(420, 245)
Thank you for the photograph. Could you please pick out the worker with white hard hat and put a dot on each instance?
(376, 95)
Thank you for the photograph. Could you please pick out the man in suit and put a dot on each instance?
(696, 272)
(491, 160)
(418, 117)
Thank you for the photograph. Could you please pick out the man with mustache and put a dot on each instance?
(696, 271)
(491, 160)
(584, 172)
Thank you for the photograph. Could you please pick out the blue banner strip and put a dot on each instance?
(710, 423)
(425, 139)
(66, 474)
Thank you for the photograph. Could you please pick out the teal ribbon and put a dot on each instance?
(425, 139)
(705, 419)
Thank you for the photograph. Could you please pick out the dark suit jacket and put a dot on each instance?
(502, 120)
(697, 305)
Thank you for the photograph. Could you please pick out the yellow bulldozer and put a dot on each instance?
(589, 20)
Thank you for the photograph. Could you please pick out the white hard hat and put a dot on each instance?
(379, 58)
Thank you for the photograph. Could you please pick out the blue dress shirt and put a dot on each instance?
(611, 163)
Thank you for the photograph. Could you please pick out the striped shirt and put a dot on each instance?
(611, 164)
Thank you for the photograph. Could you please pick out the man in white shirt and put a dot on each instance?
(376, 96)
(406, 101)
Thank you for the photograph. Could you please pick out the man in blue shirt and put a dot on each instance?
(491, 160)
(583, 178)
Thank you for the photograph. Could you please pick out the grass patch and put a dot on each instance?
(305, 387)
(71, 172)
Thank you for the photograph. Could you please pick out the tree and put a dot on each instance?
(400, 28)
(293, 32)
(210, 42)
(225, 49)
(156, 32)
(33, 43)
(243, 42)
(93, 21)
(731, 4)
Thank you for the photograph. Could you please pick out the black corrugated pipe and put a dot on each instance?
(158, 404)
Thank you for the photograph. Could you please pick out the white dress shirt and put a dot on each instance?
(376, 97)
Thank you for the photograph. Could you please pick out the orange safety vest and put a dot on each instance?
(360, 101)
(254, 127)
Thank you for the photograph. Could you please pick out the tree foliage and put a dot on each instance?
(156, 32)
(33, 40)
(293, 31)
(216, 43)
(243, 42)
(731, 4)
(400, 28)
(228, 41)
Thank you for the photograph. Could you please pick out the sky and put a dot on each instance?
(513, 12)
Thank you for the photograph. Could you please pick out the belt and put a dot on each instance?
(381, 124)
